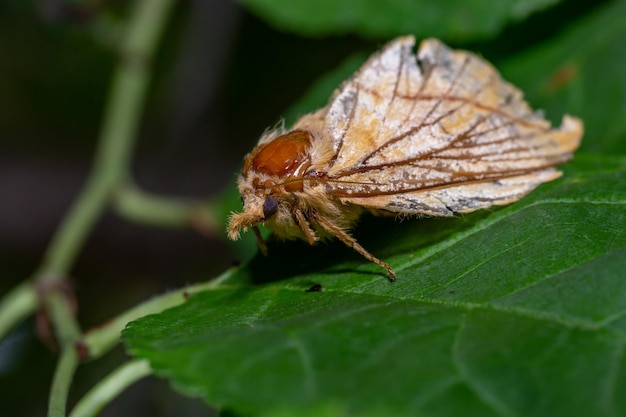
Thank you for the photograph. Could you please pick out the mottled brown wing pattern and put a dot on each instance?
(438, 134)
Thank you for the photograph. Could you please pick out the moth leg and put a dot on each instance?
(309, 234)
(351, 242)
(259, 240)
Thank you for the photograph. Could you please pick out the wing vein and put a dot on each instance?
(438, 101)
(332, 161)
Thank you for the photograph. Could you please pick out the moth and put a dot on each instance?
(434, 133)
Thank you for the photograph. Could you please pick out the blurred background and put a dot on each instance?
(224, 73)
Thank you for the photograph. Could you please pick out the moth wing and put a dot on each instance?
(445, 201)
(403, 129)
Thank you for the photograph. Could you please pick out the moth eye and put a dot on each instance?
(270, 207)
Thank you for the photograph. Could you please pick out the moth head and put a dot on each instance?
(256, 210)
(271, 173)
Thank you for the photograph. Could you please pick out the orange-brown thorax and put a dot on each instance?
(286, 158)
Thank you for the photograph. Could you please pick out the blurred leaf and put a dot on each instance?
(514, 311)
(319, 93)
(583, 73)
(457, 19)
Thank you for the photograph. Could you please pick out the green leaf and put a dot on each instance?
(318, 95)
(581, 72)
(518, 311)
(457, 19)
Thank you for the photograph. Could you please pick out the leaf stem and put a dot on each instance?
(101, 339)
(63, 375)
(141, 207)
(16, 305)
(110, 387)
(67, 331)
(121, 121)
(111, 165)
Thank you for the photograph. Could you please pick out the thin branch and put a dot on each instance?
(63, 375)
(66, 327)
(110, 387)
(16, 305)
(101, 339)
(118, 134)
(111, 166)
(139, 206)
(67, 331)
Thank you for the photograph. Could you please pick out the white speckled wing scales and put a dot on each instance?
(437, 135)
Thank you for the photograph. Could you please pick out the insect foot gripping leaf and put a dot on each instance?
(436, 135)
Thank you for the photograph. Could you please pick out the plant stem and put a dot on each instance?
(63, 375)
(110, 387)
(16, 305)
(139, 206)
(67, 331)
(99, 340)
(111, 165)
(121, 120)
